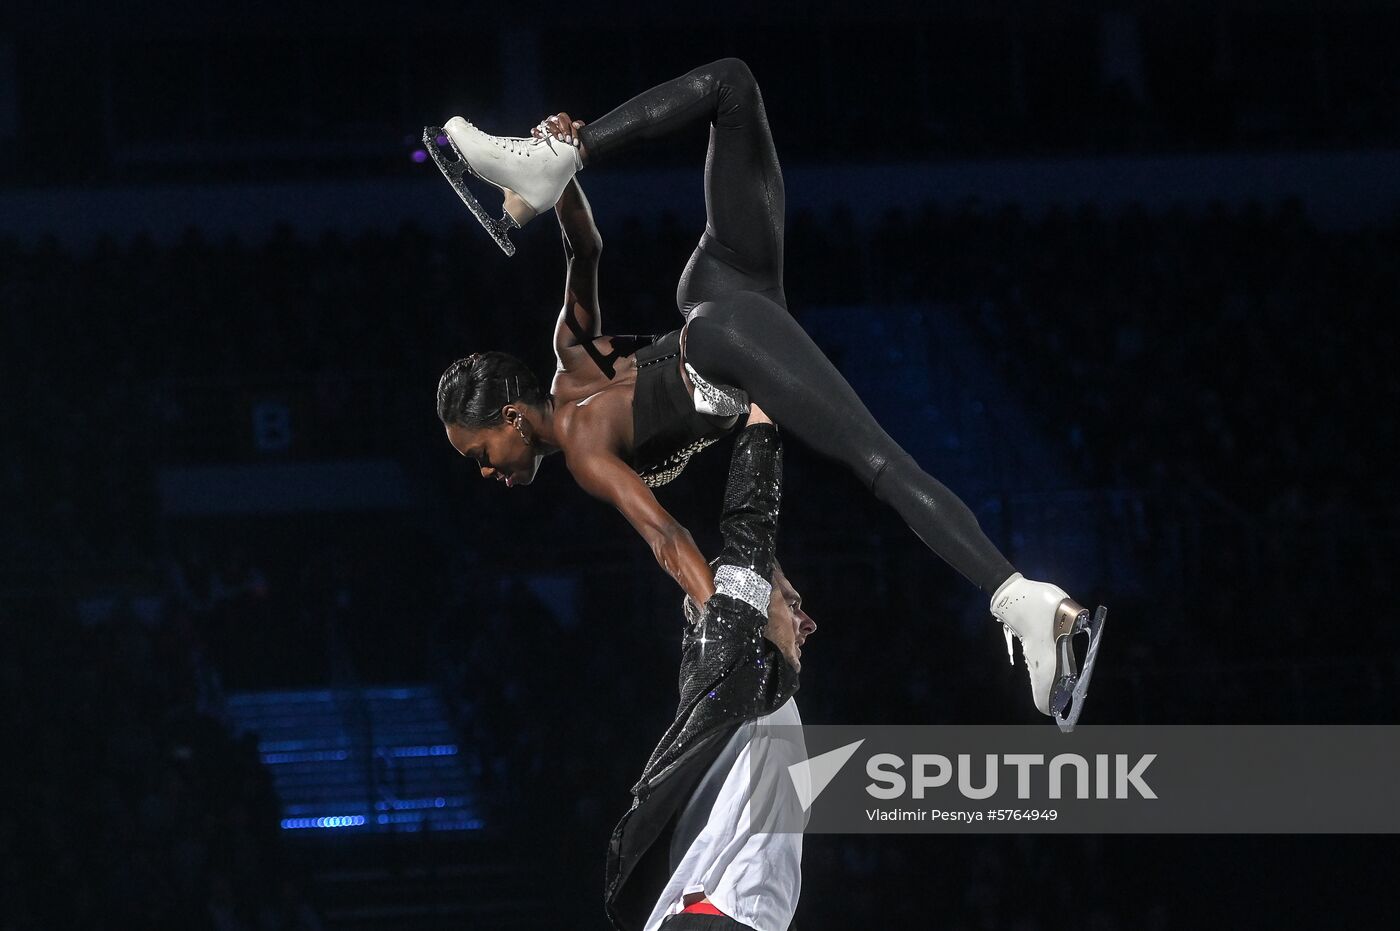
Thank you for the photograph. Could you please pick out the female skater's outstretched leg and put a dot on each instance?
(740, 331)
(745, 340)
(742, 247)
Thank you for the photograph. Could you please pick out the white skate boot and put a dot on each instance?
(1046, 620)
(529, 173)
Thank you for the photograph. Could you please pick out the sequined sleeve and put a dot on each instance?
(751, 500)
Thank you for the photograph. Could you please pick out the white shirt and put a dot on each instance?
(752, 876)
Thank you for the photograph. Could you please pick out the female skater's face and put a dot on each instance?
(500, 452)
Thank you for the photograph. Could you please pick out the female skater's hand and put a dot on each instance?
(561, 127)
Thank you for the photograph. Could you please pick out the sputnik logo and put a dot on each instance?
(811, 777)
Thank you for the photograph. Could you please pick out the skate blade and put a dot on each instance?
(1067, 700)
(455, 170)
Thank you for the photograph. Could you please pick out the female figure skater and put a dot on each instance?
(627, 412)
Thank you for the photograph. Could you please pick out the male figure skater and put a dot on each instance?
(693, 854)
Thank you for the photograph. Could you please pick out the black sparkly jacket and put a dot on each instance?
(734, 675)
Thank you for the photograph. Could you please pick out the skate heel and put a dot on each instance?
(1070, 618)
(1071, 682)
(516, 208)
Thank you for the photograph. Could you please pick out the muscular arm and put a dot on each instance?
(603, 475)
(580, 319)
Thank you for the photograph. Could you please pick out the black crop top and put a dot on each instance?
(666, 428)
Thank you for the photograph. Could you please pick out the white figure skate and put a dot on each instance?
(529, 173)
(1045, 620)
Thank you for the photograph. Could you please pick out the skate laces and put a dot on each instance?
(1010, 642)
(519, 146)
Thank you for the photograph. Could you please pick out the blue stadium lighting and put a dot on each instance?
(404, 821)
(274, 746)
(433, 750)
(310, 756)
(331, 821)
(414, 804)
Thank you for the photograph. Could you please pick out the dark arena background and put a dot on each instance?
(1122, 274)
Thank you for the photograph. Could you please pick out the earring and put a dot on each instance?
(520, 428)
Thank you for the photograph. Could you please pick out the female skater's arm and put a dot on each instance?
(605, 476)
(580, 319)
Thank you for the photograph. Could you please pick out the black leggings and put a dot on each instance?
(739, 331)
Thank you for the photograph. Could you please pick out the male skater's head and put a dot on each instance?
(788, 625)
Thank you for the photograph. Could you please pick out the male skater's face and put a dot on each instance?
(788, 625)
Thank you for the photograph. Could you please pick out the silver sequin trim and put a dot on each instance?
(744, 584)
(673, 464)
(717, 400)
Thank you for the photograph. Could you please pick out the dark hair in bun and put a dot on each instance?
(473, 390)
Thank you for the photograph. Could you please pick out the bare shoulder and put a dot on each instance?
(600, 424)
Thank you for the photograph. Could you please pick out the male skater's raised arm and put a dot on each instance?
(690, 850)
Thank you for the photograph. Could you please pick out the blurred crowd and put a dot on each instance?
(1231, 366)
(1227, 345)
(132, 803)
